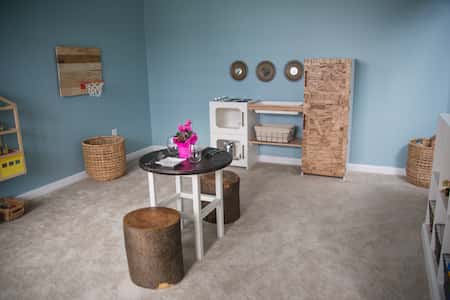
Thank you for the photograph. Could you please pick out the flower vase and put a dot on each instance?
(184, 150)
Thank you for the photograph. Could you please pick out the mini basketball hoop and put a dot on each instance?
(94, 88)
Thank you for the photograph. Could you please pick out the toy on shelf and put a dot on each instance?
(12, 161)
(446, 187)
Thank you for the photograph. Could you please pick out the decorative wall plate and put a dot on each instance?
(238, 70)
(293, 70)
(265, 71)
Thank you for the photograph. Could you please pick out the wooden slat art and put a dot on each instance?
(326, 108)
(75, 66)
(328, 75)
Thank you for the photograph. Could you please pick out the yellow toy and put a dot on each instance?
(12, 162)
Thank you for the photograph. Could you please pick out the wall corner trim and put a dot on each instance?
(351, 167)
(66, 181)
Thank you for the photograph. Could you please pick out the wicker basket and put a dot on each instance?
(104, 157)
(278, 133)
(420, 161)
(11, 208)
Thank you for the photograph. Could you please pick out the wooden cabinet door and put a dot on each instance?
(330, 75)
(326, 113)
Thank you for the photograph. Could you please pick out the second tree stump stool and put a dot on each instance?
(231, 201)
(153, 246)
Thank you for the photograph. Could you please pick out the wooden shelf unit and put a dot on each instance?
(437, 220)
(9, 131)
(15, 159)
(295, 143)
(6, 107)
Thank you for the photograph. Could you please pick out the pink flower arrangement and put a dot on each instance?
(185, 135)
(184, 138)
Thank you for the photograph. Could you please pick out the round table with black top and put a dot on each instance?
(213, 160)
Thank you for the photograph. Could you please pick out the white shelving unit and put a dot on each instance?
(435, 232)
(234, 122)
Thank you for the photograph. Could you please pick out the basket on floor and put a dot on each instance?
(11, 208)
(420, 161)
(104, 157)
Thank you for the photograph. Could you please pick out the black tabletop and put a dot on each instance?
(213, 159)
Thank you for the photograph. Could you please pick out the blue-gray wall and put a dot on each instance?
(54, 126)
(164, 60)
(401, 47)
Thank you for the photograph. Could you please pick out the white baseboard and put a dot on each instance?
(53, 186)
(351, 167)
(376, 169)
(280, 160)
(56, 185)
(137, 154)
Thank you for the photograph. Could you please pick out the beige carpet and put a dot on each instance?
(298, 238)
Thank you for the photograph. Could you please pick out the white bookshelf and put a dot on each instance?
(435, 230)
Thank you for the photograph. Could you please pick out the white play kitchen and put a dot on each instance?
(234, 127)
(325, 130)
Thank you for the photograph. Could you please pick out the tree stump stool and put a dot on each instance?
(153, 246)
(231, 201)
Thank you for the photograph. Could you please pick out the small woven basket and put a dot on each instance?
(11, 208)
(104, 157)
(420, 161)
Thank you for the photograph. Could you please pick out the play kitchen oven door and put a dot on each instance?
(228, 117)
(235, 145)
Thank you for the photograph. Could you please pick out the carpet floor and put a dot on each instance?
(298, 237)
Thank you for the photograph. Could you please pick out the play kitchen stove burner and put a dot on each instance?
(228, 99)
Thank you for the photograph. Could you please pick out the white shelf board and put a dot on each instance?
(277, 112)
(446, 118)
(441, 170)
(435, 178)
(436, 291)
(277, 107)
(444, 200)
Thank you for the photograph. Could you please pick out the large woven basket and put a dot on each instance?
(420, 161)
(104, 157)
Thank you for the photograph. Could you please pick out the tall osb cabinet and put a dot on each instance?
(327, 116)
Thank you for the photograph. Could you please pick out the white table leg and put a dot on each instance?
(152, 188)
(197, 216)
(219, 208)
(178, 189)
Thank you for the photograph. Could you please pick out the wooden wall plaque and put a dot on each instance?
(77, 65)
(265, 71)
(238, 70)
